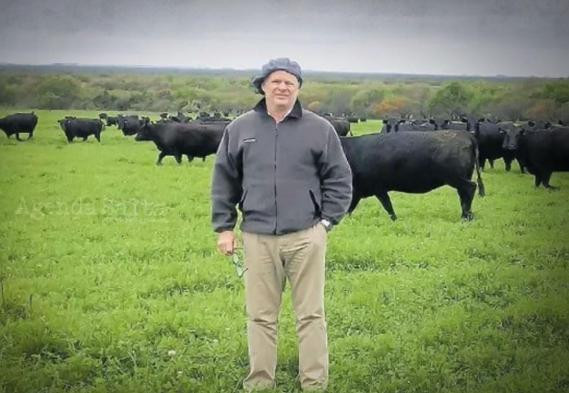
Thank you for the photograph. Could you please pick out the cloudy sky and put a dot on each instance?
(458, 37)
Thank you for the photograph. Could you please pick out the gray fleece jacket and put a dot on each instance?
(284, 177)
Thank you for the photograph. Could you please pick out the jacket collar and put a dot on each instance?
(296, 111)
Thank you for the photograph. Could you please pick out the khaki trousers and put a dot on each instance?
(270, 260)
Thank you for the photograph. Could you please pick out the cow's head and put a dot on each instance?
(443, 124)
(512, 134)
(62, 124)
(388, 125)
(144, 133)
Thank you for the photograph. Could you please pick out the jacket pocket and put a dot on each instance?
(316, 203)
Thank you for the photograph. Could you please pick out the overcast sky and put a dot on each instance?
(458, 37)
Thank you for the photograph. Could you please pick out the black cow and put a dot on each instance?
(176, 139)
(490, 136)
(19, 123)
(416, 125)
(396, 125)
(558, 126)
(389, 125)
(454, 125)
(81, 128)
(341, 125)
(204, 116)
(111, 120)
(129, 125)
(413, 162)
(217, 123)
(542, 152)
(353, 119)
(180, 118)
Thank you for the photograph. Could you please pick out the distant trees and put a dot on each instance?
(558, 92)
(57, 92)
(7, 95)
(391, 107)
(534, 98)
(451, 100)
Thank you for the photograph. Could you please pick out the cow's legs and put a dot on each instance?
(85, 138)
(481, 162)
(491, 163)
(178, 158)
(160, 157)
(508, 162)
(537, 179)
(190, 157)
(522, 168)
(98, 136)
(466, 190)
(386, 202)
(545, 181)
(18, 136)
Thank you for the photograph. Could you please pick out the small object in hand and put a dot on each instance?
(239, 268)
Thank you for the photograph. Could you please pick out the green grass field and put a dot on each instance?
(111, 281)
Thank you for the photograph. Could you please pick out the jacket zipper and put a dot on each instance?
(275, 176)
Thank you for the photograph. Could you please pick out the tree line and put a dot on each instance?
(361, 95)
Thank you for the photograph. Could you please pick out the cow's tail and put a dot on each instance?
(481, 190)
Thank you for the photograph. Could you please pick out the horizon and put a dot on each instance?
(253, 70)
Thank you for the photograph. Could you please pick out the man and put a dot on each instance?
(286, 170)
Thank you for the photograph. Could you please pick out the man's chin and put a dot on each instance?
(282, 101)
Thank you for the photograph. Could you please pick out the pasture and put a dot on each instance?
(110, 280)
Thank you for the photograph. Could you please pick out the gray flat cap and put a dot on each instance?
(283, 64)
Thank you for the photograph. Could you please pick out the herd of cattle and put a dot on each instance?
(405, 156)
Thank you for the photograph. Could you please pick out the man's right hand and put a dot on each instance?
(226, 242)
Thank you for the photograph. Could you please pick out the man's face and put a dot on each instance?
(281, 89)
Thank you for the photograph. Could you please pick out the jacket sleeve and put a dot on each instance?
(226, 187)
(335, 180)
